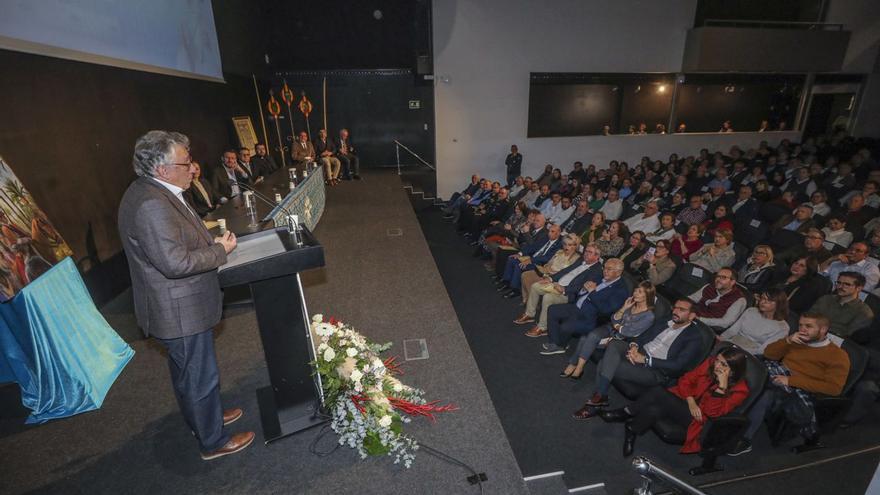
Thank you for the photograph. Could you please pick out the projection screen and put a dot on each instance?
(174, 37)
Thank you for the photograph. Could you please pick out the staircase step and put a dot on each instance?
(597, 489)
(546, 484)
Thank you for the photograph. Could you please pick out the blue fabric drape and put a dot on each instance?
(57, 346)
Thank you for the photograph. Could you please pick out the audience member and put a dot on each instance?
(854, 260)
(664, 351)
(648, 221)
(561, 260)
(200, 195)
(566, 321)
(326, 152)
(711, 390)
(560, 288)
(693, 214)
(846, 313)
(720, 303)
(717, 255)
(812, 247)
(684, 246)
(613, 206)
(631, 320)
(802, 364)
(800, 221)
(835, 230)
(513, 163)
(760, 325)
(757, 273)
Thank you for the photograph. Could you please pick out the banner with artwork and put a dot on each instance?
(29, 244)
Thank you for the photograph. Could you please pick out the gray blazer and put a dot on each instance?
(173, 262)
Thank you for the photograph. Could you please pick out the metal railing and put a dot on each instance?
(817, 26)
(398, 145)
(652, 473)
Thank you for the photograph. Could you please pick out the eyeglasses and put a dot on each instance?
(186, 164)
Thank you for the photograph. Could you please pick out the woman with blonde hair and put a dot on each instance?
(756, 274)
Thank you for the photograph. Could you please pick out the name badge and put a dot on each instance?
(755, 223)
(697, 272)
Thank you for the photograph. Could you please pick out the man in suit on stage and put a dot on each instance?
(173, 262)
(263, 162)
(347, 156)
(303, 152)
(200, 195)
(224, 178)
(326, 151)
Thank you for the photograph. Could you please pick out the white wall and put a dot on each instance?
(484, 51)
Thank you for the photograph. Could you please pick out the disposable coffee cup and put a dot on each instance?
(221, 222)
(278, 197)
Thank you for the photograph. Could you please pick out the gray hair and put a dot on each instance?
(154, 149)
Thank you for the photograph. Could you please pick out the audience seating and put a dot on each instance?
(684, 282)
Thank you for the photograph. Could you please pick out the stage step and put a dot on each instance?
(554, 484)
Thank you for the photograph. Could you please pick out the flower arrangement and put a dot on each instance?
(367, 403)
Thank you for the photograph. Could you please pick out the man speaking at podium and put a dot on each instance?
(173, 262)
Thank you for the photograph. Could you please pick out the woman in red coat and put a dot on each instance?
(712, 389)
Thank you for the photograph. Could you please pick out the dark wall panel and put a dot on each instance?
(68, 131)
(648, 103)
(703, 107)
(373, 105)
(571, 109)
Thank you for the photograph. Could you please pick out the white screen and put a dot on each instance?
(174, 37)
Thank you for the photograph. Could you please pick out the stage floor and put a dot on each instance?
(380, 277)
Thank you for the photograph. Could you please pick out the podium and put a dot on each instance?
(269, 262)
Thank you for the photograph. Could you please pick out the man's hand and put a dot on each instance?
(634, 356)
(558, 288)
(228, 241)
(780, 380)
(590, 286)
(795, 339)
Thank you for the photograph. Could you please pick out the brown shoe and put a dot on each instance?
(598, 400)
(231, 416)
(585, 413)
(523, 319)
(237, 443)
(536, 331)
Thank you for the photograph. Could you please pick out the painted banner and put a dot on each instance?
(29, 244)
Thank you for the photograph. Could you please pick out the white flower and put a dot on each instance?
(322, 347)
(398, 387)
(385, 421)
(377, 363)
(324, 329)
(356, 375)
(329, 354)
(351, 352)
(317, 318)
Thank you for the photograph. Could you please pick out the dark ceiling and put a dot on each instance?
(329, 34)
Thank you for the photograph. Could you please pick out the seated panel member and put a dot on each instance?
(263, 162)
(351, 167)
(303, 152)
(224, 178)
(326, 152)
(665, 351)
(594, 300)
(200, 195)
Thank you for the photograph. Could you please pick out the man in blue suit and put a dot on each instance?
(565, 321)
(517, 265)
(530, 242)
(664, 352)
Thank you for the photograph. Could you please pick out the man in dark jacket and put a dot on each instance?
(513, 162)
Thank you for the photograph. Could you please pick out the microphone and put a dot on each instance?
(291, 226)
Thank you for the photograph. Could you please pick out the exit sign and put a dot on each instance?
(415, 104)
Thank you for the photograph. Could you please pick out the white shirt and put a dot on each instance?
(840, 237)
(233, 181)
(568, 277)
(659, 347)
(561, 215)
(611, 210)
(176, 191)
(640, 222)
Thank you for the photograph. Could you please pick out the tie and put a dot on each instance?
(544, 249)
(180, 197)
(583, 297)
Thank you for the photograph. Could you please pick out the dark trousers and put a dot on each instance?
(566, 321)
(196, 382)
(656, 404)
(350, 165)
(615, 365)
